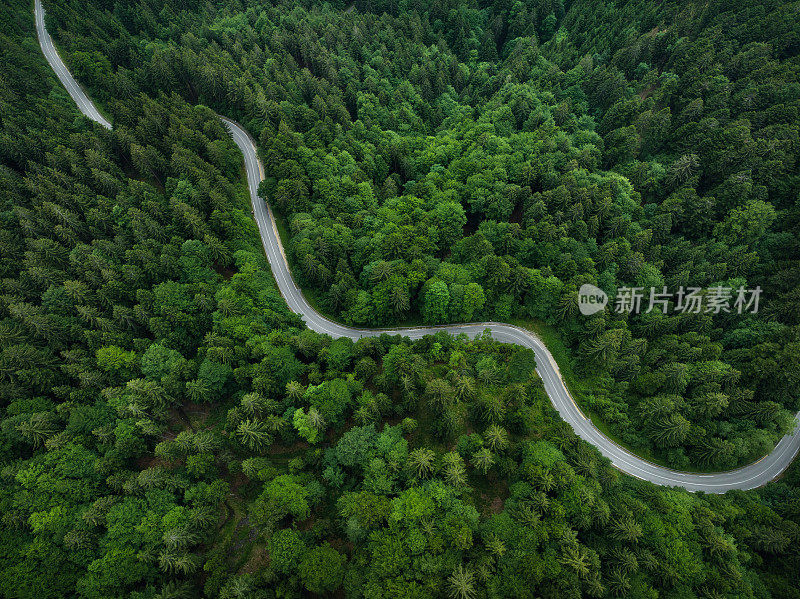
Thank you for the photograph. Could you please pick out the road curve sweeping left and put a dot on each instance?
(748, 477)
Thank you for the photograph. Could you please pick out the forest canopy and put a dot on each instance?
(461, 162)
(168, 428)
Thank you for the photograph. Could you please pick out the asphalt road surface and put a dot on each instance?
(85, 105)
(748, 477)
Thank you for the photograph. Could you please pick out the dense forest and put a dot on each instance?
(462, 163)
(169, 429)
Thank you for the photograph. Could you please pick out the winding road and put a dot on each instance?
(749, 477)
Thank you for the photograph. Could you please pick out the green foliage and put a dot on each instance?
(437, 299)
(115, 359)
(331, 398)
(442, 162)
(286, 550)
(322, 569)
(283, 496)
(305, 427)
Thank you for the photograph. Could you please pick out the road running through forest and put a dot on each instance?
(748, 477)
